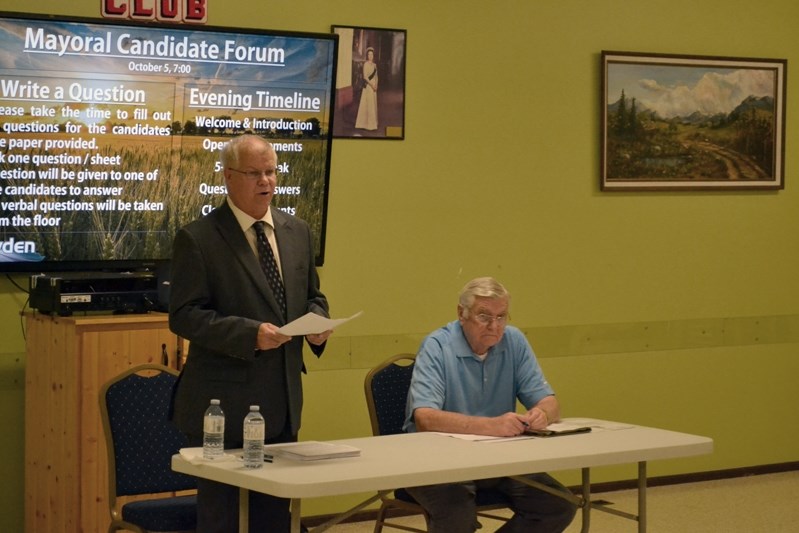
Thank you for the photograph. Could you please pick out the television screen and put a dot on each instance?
(110, 133)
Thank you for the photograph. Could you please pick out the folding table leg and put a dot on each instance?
(642, 497)
(244, 510)
(586, 500)
(296, 514)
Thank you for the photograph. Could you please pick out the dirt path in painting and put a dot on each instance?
(738, 167)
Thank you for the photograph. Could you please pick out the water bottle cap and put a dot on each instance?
(214, 402)
(255, 408)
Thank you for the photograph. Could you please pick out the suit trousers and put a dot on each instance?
(451, 507)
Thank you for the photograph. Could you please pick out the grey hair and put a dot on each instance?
(229, 156)
(486, 287)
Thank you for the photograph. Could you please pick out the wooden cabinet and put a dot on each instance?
(68, 361)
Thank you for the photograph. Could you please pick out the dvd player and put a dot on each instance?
(118, 292)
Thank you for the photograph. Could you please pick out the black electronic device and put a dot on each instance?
(118, 292)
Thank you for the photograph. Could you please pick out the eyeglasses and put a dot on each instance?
(255, 174)
(485, 320)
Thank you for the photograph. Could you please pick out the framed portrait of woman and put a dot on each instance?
(370, 83)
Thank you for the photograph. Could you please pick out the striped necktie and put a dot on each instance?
(267, 259)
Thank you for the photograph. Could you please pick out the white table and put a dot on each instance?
(396, 461)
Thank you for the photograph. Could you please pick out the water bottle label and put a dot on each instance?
(214, 425)
(254, 432)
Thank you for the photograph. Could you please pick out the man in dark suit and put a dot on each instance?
(221, 300)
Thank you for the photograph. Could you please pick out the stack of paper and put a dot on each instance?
(310, 450)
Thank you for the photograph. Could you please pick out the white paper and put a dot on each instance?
(312, 323)
(483, 438)
(596, 424)
(563, 425)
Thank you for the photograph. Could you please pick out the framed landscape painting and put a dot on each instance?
(677, 122)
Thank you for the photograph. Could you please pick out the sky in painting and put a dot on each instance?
(681, 90)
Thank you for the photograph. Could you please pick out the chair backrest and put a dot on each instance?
(140, 439)
(386, 387)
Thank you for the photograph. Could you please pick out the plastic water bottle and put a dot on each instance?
(254, 433)
(214, 432)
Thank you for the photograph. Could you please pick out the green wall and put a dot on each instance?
(678, 310)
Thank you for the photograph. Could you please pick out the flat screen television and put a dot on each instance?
(110, 133)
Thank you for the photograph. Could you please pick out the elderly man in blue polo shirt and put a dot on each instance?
(467, 379)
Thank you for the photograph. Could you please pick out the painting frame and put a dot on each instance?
(373, 108)
(689, 122)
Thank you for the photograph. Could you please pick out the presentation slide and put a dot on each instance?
(110, 133)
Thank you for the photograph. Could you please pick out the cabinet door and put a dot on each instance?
(52, 423)
(69, 359)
